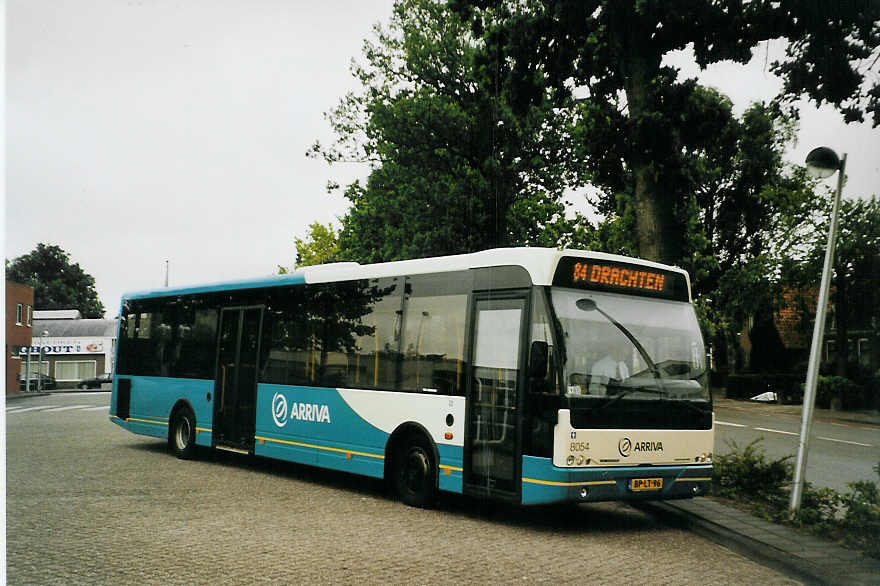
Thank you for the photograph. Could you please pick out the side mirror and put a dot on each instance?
(538, 359)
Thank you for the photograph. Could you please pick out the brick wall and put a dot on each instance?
(17, 334)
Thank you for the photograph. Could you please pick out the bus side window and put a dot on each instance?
(542, 333)
(374, 354)
(286, 338)
(433, 334)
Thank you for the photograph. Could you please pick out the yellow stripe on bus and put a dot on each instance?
(325, 448)
(553, 483)
(693, 480)
(153, 421)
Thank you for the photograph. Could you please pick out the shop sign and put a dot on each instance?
(66, 346)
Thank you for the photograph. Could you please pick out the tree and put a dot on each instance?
(637, 122)
(57, 283)
(745, 211)
(453, 168)
(319, 247)
(856, 272)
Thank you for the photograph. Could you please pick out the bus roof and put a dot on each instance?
(539, 262)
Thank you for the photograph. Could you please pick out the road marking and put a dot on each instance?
(776, 431)
(729, 424)
(66, 408)
(831, 439)
(30, 409)
(57, 409)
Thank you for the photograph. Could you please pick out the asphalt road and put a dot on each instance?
(88, 502)
(840, 451)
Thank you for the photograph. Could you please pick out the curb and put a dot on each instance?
(790, 564)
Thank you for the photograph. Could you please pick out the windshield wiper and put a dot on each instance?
(587, 304)
(630, 391)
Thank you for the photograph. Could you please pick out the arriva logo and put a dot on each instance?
(279, 410)
(626, 447)
(312, 412)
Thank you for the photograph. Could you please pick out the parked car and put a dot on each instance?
(48, 382)
(95, 382)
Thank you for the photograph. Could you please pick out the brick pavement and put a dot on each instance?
(88, 502)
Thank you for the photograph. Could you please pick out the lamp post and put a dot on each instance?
(40, 361)
(822, 162)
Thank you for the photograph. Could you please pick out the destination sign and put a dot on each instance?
(585, 273)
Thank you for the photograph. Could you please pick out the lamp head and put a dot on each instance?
(822, 162)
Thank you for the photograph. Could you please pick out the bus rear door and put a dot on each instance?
(235, 386)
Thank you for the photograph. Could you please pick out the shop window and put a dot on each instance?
(18, 314)
(74, 370)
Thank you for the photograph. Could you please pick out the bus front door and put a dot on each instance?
(492, 444)
(235, 386)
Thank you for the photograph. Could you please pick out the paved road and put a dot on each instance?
(87, 502)
(839, 451)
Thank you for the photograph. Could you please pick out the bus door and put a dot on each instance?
(235, 386)
(492, 443)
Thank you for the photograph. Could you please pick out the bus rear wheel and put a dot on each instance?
(415, 474)
(183, 434)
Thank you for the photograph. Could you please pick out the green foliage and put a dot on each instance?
(748, 477)
(639, 125)
(453, 168)
(746, 473)
(319, 247)
(58, 283)
(861, 519)
(856, 270)
(849, 394)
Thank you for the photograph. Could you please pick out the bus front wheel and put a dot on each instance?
(414, 474)
(183, 434)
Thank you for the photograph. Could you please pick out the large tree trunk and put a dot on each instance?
(655, 219)
(656, 236)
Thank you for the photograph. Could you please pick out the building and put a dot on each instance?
(73, 348)
(19, 316)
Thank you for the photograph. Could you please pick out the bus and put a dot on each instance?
(524, 375)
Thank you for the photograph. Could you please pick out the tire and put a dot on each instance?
(415, 474)
(182, 435)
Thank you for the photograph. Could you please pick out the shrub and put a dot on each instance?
(748, 474)
(838, 387)
(861, 520)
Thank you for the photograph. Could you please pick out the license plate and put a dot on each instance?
(637, 484)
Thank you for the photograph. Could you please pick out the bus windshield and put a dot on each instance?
(619, 347)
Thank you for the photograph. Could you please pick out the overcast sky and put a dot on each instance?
(149, 130)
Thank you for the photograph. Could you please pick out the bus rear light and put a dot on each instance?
(448, 435)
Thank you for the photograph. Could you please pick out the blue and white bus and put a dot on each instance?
(524, 375)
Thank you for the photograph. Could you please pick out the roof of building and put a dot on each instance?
(57, 314)
(75, 328)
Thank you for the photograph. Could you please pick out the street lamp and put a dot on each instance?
(822, 163)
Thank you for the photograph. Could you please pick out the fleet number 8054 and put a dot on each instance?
(574, 447)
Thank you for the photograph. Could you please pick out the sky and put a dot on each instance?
(146, 131)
